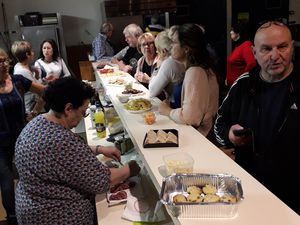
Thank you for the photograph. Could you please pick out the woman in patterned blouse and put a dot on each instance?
(59, 173)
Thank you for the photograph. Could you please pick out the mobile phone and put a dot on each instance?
(242, 132)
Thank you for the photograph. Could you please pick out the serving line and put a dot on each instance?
(259, 207)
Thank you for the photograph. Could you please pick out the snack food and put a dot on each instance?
(118, 196)
(179, 162)
(161, 137)
(194, 198)
(106, 70)
(209, 189)
(150, 118)
(139, 104)
(194, 190)
(211, 198)
(228, 198)
(179, 198)
(207, 193)
(171, 138)
(118, 81)
(132, 91)
(119, 193)
(219, 206)
(178, 166)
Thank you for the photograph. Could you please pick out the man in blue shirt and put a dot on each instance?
(102, 48)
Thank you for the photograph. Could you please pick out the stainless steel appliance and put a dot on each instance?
(36, 27)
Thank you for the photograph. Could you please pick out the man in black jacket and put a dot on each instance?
(128, 62)
(266, 103)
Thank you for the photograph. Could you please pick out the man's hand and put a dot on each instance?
(240, 140)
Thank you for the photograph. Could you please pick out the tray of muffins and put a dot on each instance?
(197, 195)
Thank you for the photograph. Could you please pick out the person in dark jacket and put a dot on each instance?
(266, 101)
(12, 121)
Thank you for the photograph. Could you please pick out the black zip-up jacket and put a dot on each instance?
(275, 164)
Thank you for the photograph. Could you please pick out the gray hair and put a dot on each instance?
(106, 27)
(133, 30)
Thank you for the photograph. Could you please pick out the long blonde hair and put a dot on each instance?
(163, 43)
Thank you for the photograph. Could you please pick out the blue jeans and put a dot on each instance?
(7, 180)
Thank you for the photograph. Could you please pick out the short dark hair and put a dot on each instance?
(54, 47)
(243, 29)
(67, 90)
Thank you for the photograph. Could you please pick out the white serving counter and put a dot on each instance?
(259, 207)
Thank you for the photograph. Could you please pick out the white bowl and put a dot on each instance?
(123, 98)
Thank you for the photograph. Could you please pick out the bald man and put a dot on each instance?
(266, 102)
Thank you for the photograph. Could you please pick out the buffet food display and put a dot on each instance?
(119, 193)
(178, 162)
(202, 195)
(138, 105)
(209, 198)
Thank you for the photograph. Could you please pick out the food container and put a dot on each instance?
(158, 142)
(149, 118)
(119, 193)
(123, 98)
(178, 162)
(225, 184)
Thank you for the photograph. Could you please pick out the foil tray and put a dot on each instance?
(225, 184)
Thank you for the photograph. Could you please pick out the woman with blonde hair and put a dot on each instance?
(169, 73)
(22, 50)
(145, 63)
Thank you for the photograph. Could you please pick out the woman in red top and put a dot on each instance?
(241, 59)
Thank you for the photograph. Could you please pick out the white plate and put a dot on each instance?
(139, 111)
(134, 95)
(116, 85)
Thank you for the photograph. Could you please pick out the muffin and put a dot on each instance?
(209, 189)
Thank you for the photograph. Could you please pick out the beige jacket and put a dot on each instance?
(199, 100)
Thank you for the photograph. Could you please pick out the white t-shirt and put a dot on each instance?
(55, 68)
(29, 97)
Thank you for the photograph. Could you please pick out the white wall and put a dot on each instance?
(81, 18)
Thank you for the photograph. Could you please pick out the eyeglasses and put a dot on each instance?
(4, 61)
(147, 44)
(85, 114)
(266, 24)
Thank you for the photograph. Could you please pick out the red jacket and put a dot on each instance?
(240, 61)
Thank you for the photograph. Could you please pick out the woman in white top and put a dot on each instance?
(200, 90)
(22, 51)
(52, 66)
(168, 73)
